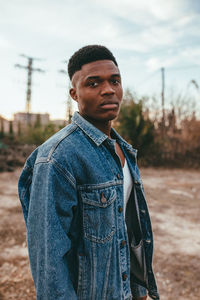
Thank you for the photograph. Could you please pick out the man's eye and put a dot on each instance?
(93, 84)
(115, 81)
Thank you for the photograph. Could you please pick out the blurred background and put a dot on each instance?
(157, 46)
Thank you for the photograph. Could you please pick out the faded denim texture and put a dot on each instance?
(71, 191)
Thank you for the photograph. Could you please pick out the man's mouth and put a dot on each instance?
(109, 105)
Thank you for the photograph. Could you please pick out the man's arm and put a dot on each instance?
(52, 197)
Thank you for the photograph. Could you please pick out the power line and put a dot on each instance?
(145, 80)
(163, 99)
(148, 77)
(182, 68)
(30, 70)
(69, 100)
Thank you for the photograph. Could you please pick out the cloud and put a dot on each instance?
(4, 43)
(191, 55)
(139, 26)
(156, 63)
(143, 35)
(144, 12)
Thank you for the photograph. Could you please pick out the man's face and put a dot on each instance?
(97, 89)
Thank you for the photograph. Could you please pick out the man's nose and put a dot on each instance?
(107, 89)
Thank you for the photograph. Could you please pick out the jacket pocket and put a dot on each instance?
(99, 214)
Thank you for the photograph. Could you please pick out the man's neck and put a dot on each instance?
(105, 126)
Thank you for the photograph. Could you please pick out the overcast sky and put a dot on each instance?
(144, 35)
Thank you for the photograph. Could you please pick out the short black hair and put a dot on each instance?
(86, 55)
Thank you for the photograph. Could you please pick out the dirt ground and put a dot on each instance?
(174, 201)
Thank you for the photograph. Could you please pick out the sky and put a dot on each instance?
(144, 36)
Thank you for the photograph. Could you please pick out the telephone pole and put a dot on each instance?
(69, 100)
(30, 70)
(163, 99)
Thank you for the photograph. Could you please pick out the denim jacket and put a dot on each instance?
(80, 245)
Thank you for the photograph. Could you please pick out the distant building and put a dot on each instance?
(4, 125)
(30, 118)
(22, 120)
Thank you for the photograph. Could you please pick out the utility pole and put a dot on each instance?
(163, 99)
(69, 100)
(30, 69)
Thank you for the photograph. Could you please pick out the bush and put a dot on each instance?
(38, 134)
(134, 127)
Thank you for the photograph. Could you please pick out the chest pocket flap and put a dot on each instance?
(99, 214)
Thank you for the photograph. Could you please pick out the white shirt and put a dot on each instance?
(128, 184)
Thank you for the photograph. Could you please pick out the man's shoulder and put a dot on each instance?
(60, 142)
(53, 142)
(64, 141)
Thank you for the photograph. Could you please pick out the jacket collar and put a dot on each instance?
(94, 133)
(98, 136)
(122, 142)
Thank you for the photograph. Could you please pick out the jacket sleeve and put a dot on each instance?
(138, 291)
(52, 195)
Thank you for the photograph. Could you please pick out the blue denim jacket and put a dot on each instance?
(71, 191)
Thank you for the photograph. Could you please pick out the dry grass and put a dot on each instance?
(173, 198)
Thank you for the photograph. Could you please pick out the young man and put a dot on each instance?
(88, 228)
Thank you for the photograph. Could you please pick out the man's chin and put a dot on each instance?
(109, 116)
(99, 117)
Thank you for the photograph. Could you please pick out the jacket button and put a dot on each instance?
(120, 209)
(148, 241)
(118, 176)
(123, 243)
(74, 208)
(103, 199)
(124, 276)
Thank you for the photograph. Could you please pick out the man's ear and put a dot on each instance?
(73, 94)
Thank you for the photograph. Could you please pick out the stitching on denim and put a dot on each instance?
(92, 237)
(81, 283)
(56, 145)
(41, 160)
(94, 271)
(99, 240)
(105, 286)
(97, 204)
(65, 173)
(98, 141)
(86, 187)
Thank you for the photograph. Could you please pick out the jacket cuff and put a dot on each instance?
(138, 291)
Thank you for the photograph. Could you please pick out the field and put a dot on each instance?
(174, 201)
